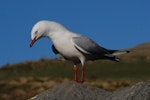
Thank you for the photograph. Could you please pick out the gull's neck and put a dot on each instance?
(56, 30)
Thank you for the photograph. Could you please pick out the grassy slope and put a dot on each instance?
(97, 70)
(133, 66)
(17, 81)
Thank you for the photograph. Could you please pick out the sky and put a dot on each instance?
(113, 24)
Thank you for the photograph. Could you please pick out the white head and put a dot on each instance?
(44, 28)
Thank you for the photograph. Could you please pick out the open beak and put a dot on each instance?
(32, 42)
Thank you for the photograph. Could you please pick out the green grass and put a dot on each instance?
(120, 71)
(99, 70)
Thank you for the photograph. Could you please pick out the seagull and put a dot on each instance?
(71, 46)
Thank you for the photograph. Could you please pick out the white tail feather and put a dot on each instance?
(120, 52)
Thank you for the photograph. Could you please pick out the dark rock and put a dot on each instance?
(77, 91)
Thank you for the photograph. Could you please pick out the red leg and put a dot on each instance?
(75, 73)
(82, 75)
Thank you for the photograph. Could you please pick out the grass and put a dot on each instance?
(100, 70)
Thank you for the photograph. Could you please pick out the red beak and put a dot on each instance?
(32, 42)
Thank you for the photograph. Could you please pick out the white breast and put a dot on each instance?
(64, 45)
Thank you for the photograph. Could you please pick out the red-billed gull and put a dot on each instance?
(72, 46)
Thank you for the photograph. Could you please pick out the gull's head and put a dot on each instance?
(39, 30)
(44, 28)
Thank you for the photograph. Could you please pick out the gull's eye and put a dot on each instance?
(36, 32)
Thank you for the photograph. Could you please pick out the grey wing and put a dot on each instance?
(92, 50)
(88, 46)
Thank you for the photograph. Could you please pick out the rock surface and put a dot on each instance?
(78, 91)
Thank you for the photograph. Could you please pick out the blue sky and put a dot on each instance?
(114, 24)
